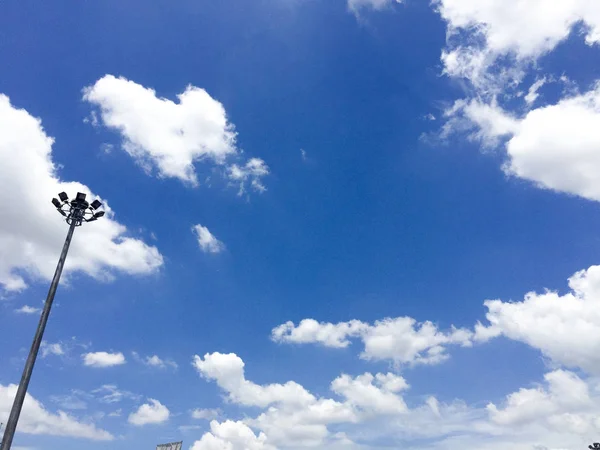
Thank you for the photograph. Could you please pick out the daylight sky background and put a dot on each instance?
(331, 224)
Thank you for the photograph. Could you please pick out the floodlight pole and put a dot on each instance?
(77, 210)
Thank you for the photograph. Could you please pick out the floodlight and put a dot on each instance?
(96, 204)
(63, 196)
(56, 203)
(80, 197)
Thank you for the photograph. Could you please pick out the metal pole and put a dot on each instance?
(15, 412)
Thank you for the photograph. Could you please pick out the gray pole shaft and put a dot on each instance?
(15, 412)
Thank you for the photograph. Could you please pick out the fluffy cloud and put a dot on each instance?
(168, 136)
(565, 328)
(554, 146)
(566, 393)
(231, 435)
(379, 398)
(30, 243)
(295, 417)
(26, 309)
(559, 413)
(400, 339)
(35, 419)
(228, 371)
(481, 32)
(103, 359)
(153, 412)
(206, 240)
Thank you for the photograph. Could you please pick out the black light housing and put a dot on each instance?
(99, 214)
(80, 197)
(96, 204)
(63, 196)
(56, 203)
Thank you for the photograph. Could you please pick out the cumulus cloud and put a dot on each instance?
(553, 146)
(370, 393)
(292, 415)
(566, 393)
(484, 33)
(153, 412)
(36, 419)
(561, 413)
(231, 435)
(26, 309)
(228, 371)
(565, 328)
(167, 136)
(103, 359)
(206, 240)
(401, 340)
(30, 243)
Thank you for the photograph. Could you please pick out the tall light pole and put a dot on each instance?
(76, 212)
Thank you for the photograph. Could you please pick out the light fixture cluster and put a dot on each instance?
(77, 210)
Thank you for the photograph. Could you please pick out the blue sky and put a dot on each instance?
(335, 224)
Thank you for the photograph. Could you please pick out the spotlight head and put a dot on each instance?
(80, 197)
(56, 203)
(96, 204)
(98, 215)
(63, 196)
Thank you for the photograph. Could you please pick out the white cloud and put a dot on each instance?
(110, 393)
(155, 361)
(51, 349)
(206, 240)
(533, 94)
(103, 359)
(379, 398)
(231, 435)
(153, 412)
(228, 371)
(556, 146)
(401, 339)
(292, 416)
(251, 172)
(70, 401)
(483, 32)
(30, 244)
(311, 331)
(26, 309)
(565, 328)
(115, 413)
(168, 136)
(566, 393)
(553, 146)
(562, 413)
(35, 419)
(206, 414)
